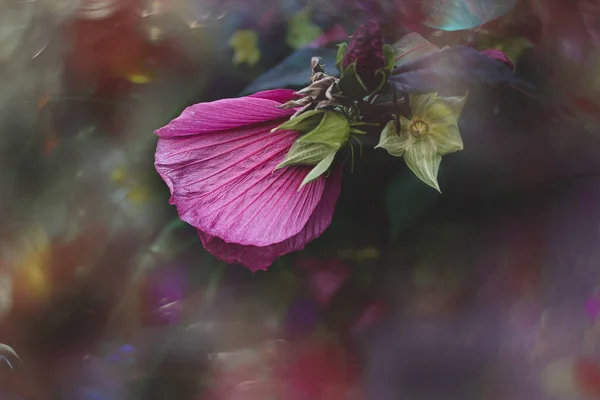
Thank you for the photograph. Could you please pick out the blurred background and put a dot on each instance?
(489, 291)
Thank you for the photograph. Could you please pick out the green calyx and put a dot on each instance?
(350, 82)
(325, 132)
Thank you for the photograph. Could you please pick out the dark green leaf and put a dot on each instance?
(408, 199)
(294, 72)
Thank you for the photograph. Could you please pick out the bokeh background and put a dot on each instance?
(488, 291)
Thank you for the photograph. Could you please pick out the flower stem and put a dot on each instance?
(380, 108)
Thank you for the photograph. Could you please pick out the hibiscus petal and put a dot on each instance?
(279, 95)
(225, 184)
(227, 114)
(260, 258)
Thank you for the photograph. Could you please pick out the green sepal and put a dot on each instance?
(357, 131)
(333, 130)
(384, 77)
(319, 146)
(351, 85)
(305, 153)
(342, 48)
(319, 169)
(305, 122)
(390, 58)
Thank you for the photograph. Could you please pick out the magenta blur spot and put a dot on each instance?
(162, 294)
(498, 56)
(302, 317)
(592, 306)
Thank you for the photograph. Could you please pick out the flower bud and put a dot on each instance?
(366, 50)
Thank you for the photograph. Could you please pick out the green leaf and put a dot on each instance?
(407, 200)
(340, 56)
(411, 47)
(301, 30)
(319, 169)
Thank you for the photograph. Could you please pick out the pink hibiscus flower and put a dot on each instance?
(219, 160)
